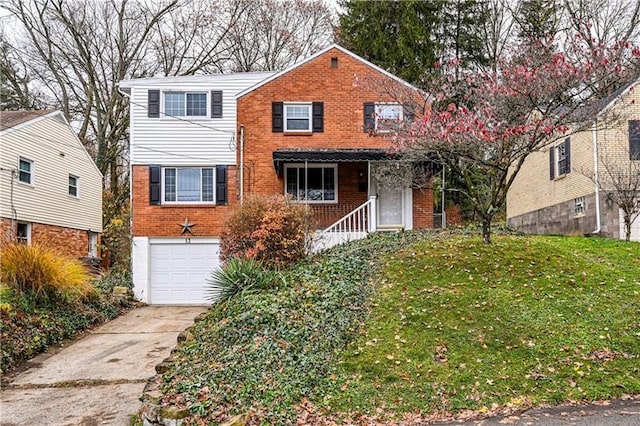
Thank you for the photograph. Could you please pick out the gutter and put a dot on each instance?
(594, 134)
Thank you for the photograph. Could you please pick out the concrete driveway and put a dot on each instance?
(98, 379)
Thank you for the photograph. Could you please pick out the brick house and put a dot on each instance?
(554, 192)
(315, 131)
(50, 188)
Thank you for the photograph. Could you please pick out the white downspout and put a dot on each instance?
(241, 164)
(594, 133)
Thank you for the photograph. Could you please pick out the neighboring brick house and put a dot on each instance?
(201, 143)
(554, 192)
(50, 188)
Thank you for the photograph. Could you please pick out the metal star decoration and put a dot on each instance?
(186, 227)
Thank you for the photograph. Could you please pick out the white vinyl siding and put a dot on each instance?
(56, 154)
(186, 141)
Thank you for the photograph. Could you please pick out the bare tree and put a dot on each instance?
(497, 30)
(604, 22)
(272, 34)
(16, 92)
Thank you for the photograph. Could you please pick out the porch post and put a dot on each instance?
(373, 220)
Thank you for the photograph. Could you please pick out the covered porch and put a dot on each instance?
(344, 191)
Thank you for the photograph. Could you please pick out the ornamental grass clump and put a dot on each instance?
(238, 276)
(39, 272)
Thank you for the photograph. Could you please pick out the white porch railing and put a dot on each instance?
(354, 226)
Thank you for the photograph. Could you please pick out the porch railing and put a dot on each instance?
(354, 226)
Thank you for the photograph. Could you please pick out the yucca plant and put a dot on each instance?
(237, 276)
(38, 271)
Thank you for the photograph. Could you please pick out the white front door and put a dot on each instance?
(390, 208)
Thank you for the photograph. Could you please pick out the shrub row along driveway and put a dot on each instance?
(99, 378)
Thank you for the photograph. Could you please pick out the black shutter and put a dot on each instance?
(408, 115)
(369, 109)
(153, 103)
(552, 163)
(277, 116)
(221, 185)
(634, 139)
(216, 104)
(567, 155)
(154, 185)
(318, 117)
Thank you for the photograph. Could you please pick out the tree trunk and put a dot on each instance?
(627, 228)
(486, 230)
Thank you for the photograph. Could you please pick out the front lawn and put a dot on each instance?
(460, 325)
(420, 323)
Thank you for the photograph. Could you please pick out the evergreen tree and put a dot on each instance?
(398, 36)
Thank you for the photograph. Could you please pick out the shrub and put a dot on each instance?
(38, 271)
(116, 277)
(237, 276)
(271, 230)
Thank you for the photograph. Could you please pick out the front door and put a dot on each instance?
(390, 214)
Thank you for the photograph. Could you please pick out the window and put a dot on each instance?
(25, 171)
(634, 139)
(188, 185)
(73, 185)
(579, 206)
(93, 244)
(297, 117)
(313, 184)
(23, 234)
(387, 116)
(185, 104)
(560, 159)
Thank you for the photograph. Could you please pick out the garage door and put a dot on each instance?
(179, 272)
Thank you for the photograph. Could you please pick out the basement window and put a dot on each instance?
(579, 206)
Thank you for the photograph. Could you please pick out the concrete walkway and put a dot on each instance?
(98, 379)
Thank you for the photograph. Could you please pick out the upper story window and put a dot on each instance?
(185, 104)
(188, 185)
(387, 116)
(297, 117)
(313, 183)
(560, 159)
(382, 116)
(25, 170)
(634, 139)
(73, 185)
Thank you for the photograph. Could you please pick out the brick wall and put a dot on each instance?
(165, 220)
(66, 241)
(343, 90)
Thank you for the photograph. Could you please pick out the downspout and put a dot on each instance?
(594, 133)
(241, 164)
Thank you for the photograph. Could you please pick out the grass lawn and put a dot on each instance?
(458, 325)
(419, 323)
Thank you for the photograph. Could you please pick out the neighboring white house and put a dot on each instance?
(50, 187)
(183, 156)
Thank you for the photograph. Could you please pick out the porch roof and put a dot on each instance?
(324, 155)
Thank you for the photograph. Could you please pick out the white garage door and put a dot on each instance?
(179, 272)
